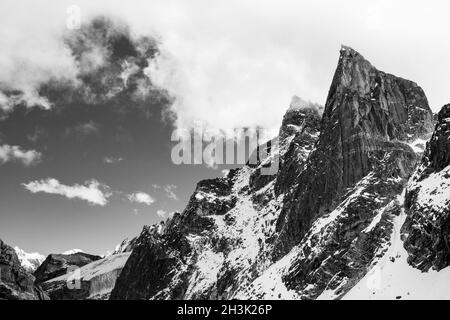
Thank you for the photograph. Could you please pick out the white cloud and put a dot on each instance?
(161, 213)
(169, 189)
(141, 197)
(83, 130)
(15, 153)
(112, 160)
(92, 191)
(164, 214)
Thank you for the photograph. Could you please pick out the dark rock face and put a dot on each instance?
(56, 265)
(302, 125)
(15, 282)
(427, 228)
(150, 269)
(365, 108)
(211, 197)
(438, 153)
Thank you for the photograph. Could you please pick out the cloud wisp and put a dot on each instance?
(112, 160)
(161, 213)
(17, 154)
(169, 189)
(83, 130)
(141, 197)
(91, 191)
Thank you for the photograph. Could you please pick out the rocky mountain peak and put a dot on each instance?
(353, 71)
(367, 111)
(301, 115)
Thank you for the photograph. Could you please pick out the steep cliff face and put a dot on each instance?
(317, 226)
(15, 282)
(427, 227)
(366, 112)
(56, 265)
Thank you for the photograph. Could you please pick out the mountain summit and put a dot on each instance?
(367, 113)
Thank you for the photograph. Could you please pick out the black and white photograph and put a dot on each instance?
(209, 150)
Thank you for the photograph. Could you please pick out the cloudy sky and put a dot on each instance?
(86, 114)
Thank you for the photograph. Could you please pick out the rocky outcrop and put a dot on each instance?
(15, 282)
(438, 153)
(150, 268)
(366, 109)
(299, 132)
(426, 231)
(211, 197)
(56, 265)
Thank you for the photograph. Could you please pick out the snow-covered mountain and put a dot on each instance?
(72, 251)
(29, 261)
(318, 227)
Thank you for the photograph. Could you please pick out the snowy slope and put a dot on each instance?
(29, 261)
(393, 278)
(246, 226)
